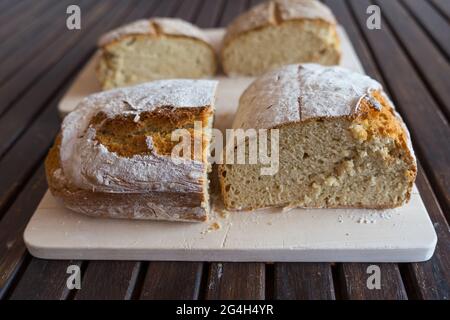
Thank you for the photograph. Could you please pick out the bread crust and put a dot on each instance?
(145, 206)
(155, 28)
(371, 105)
(275, 13)
(111, 158)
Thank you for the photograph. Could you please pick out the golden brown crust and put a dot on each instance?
(128, 137)
(119, 205)
(377, 122)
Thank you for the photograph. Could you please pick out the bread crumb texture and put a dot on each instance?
(280, 32)
(356, 161)
(159, 48)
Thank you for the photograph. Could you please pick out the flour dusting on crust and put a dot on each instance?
(154, 27)
(89, 165)
(299, 92)
(271, 12)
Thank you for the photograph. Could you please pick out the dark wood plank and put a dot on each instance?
(209, 13)
(428, 126)
(15, 53)
(303, 281)
(166, 8)
(137, 10)
(433, 67)
(232, 9)
(239, 281)
(12, 25)
(12, 225)
(344, 17)
(44, 280)
(6, 5)
(30, 149)
(435, 24)
(188, 10)
(172, 280)
(20, 81)
(443, 6)
(14, 9)
(26, 108)
(108, 280)
(353, 277)
(431, 280)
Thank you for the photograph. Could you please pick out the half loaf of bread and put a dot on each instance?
(159, 48)
(341, 143)
(113, 156)
(280, 32)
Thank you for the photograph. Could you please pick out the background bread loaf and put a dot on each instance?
(159, 48)
(280, 32)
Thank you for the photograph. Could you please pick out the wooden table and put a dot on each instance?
(38, 59)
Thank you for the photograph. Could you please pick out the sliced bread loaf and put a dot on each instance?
(113, 156)
(159, 48)
(280, 32)
(341, 143)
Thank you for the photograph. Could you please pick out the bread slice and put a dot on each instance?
(159, 48)
(341, 143)
(113, 156)
(280, 32)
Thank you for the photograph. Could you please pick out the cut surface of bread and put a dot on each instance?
(113, 157)
(160, 48)
(341, 143)
(278, 33)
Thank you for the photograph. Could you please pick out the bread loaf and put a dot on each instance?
(341, 143)
(113, 156)
(159, 48)
(280, 32)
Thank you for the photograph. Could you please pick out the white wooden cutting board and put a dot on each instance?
(399, 235)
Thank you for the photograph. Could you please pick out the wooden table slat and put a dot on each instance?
(236, 281)
(30, 72)
(354, 276)
(109, 280)
(344, 18)
(30, 148)
(166, 8)
(432, 21)
(38, 34)
(23, 151)
(428, 126)
(420, 48)
(231, 10)
(13, 223)
(209, 14)
(44, 280)
(303, 281)
(172, 280)
(6, 5)
(14, 10)
(443, 6)
(11, 27)
(431, 279)
(188, 10)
